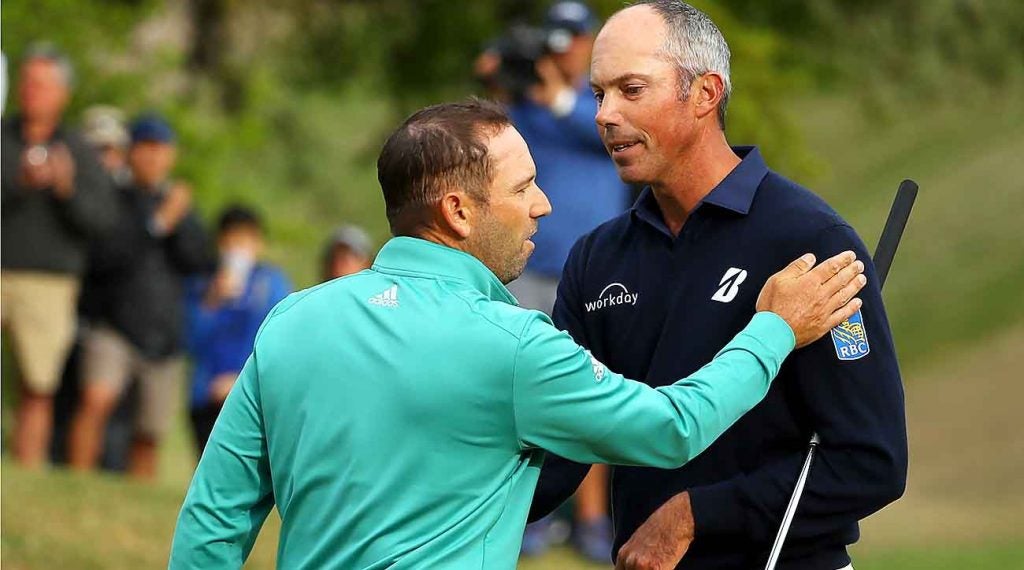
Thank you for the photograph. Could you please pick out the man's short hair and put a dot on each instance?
(239, 216)
(49, 52)
(436, 150)
(695, 45)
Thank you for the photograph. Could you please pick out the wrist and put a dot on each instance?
(685, 511)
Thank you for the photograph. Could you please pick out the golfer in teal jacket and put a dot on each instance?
(397, 418)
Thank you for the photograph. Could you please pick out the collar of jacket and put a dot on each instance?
(414, 256)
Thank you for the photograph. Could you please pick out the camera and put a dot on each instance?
(519, 49)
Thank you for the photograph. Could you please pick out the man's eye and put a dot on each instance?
(633, 90)
(598, 97)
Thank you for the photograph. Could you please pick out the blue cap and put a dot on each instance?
(575, 17)
(151, 128)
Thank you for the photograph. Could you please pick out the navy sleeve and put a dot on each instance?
(559, 477)
(853, 397)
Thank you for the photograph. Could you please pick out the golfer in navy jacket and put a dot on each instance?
(683, 269)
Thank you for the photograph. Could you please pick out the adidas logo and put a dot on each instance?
(389, 298)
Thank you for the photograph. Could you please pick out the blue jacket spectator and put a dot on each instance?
(221, 339)
(224, 311)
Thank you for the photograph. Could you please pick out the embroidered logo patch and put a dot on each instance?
(729, 286)
(598, 367)
(851, 338)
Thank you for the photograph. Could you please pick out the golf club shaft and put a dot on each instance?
(885, 252)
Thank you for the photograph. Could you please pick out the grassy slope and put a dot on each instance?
(957, 276)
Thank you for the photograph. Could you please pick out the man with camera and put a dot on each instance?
(542, 74)
(158, 240)
(56, 197)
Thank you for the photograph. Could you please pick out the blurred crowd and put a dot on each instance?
(111, 279)
(118, 298)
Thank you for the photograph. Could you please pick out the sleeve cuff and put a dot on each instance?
(771, 332)
(716, 512)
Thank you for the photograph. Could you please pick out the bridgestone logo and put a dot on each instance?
(613, 295)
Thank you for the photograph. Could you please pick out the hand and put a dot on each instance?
(486, 65)
(35, 170)
(552, 83)
(662, 540)
(222, 288)
(63, 171)
(174, 207)
(221, 386)
(813, 301)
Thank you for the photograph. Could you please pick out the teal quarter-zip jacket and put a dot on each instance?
(397, 419)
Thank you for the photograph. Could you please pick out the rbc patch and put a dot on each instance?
(851, 338)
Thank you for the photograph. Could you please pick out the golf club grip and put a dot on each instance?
(893, 231)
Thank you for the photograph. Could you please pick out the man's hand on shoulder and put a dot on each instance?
(663, 539)
(813, 301)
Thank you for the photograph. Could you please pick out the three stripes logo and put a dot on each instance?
(389, 298)
(729, 286)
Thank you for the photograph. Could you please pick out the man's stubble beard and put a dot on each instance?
(499, 250)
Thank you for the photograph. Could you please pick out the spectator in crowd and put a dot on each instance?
(224, 312)
(104, 129)
(348, 250)
(159, 240)
(56, 198)
(556, 117)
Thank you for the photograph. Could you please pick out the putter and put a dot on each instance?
(884, 254)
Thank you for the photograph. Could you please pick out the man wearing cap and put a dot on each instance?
(104, 128)
(348, 250)
(56, 198)
(159, 239)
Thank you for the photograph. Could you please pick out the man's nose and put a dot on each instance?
(608, 113)
(542, 206)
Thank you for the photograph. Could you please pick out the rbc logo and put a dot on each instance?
(851, 338)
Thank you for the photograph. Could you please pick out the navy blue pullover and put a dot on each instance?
(633, 294)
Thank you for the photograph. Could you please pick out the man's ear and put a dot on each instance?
(708, 92)
(457, 210)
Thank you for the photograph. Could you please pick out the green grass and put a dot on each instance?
(944, 557)
(58, 519)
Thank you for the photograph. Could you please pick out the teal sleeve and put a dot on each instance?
(231, 494)
(567, 402)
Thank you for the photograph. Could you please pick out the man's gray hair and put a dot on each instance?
(695, 44)
(49, 52)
